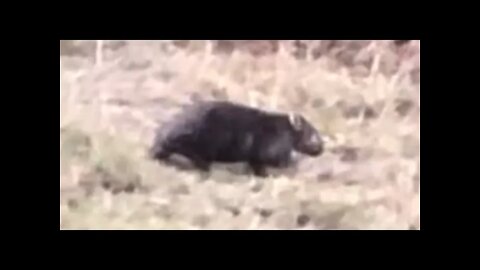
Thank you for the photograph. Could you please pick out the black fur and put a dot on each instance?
(220, 131)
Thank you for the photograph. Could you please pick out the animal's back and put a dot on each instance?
(224, 131)
(199, 123)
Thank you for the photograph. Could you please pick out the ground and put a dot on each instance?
(368, 109)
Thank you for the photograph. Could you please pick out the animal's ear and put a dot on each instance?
(295, 120)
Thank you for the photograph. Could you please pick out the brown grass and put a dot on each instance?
(367, 179)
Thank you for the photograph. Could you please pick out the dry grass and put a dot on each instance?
(367, 179)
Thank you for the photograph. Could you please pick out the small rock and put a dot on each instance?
(401, 42)
(224, 46)
(106, 184)
(256, 188)
(201, 220)
(351, 182)
(136, 65)
(347, 153)
(318, 102)
(181, 190)
(219, 93)
(196, 97)
(352, 111)
(72, 203)
(265, 213)
(130, 188)
(403, 106)
(370, 113)
(117, 190)
(302, 220)
(324, 176)
(164, 75)
(234, 210)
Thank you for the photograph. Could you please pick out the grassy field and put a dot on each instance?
(367, 108)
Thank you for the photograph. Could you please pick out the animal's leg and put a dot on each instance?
(196, 159)
(160, 152)
(199, 162)
(259, 169)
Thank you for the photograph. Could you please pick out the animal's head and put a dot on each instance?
(307, 139)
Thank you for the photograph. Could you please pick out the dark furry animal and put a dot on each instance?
(220, 131)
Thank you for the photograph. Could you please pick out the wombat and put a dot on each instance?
(222, 131)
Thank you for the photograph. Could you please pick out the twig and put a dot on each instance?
(99, 53)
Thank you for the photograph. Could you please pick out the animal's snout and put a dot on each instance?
(314, 150)
(314, 145)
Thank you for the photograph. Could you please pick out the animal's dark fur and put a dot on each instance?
(220, 131)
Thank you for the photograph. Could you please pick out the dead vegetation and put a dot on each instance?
(363, 95)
